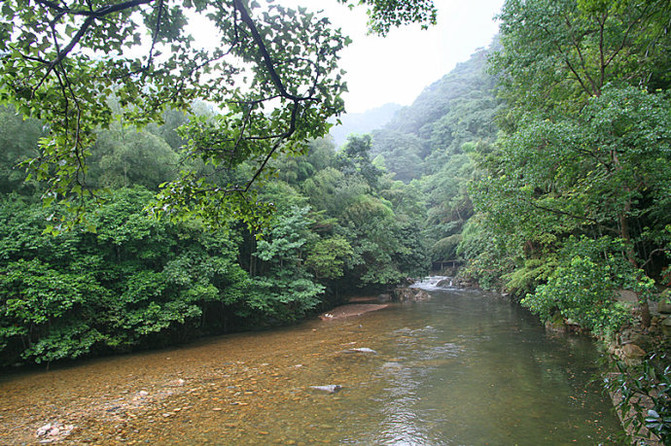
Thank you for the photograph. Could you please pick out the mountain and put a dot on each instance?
(360, 123)
(457, 109)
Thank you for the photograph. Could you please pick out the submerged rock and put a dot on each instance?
(361, 350)
(52, 432)
(331, 388)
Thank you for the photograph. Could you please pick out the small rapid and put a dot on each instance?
(433, 283)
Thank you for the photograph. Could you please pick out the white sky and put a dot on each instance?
(398, 67)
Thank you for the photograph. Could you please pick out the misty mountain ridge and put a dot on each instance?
(362, 123)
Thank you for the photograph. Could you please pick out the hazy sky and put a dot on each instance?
(398, 67)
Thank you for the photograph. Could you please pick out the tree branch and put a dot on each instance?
(98, 13)
(267, 60)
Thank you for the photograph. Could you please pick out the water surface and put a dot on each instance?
(464, 368)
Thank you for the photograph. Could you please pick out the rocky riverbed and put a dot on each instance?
(234, 379)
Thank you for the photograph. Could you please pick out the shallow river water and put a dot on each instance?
(464, 368)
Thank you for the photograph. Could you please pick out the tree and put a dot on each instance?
(134, 282)
(559, 53)
(273, 74)
(124, 156)
(18, 142)
(585, 151)
(384, 14)
(286, 290)
(355, 159)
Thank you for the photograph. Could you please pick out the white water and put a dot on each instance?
(432, 283)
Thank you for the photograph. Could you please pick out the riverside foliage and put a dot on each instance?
(543, 163)
(128, 280)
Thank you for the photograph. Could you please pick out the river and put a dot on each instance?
(464, 368)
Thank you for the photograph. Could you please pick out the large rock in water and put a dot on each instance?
(406, 294)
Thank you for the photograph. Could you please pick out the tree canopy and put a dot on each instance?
(271, 72)
(582, 164)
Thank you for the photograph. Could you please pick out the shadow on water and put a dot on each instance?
(464, 368)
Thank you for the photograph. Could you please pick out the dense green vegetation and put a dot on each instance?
(129, 280)
(119, 134)
(544, 160)
(577, 187)
(543, 163)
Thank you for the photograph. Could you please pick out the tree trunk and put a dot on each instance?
(643, 306)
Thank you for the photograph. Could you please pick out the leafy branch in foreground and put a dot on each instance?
(271, 71)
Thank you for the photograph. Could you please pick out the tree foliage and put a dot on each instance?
(383, 15)
(271, 71)
(585, 153)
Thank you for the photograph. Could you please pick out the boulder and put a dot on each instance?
(664, 306)
(445, 283)
(666, 326)
(406, 294)
(632, 353)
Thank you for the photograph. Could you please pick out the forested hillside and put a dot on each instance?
(433, 145)
(362, 123)
(127, 280)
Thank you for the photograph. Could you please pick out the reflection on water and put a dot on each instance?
(461, 369)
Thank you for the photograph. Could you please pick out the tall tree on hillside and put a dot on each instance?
(558, 53)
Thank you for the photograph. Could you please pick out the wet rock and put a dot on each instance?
(331, 388)
(632, 353)
(664, 306)
(666, 327)
(445, 283)
(361, 350)
(405, 294)
(52, 432)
